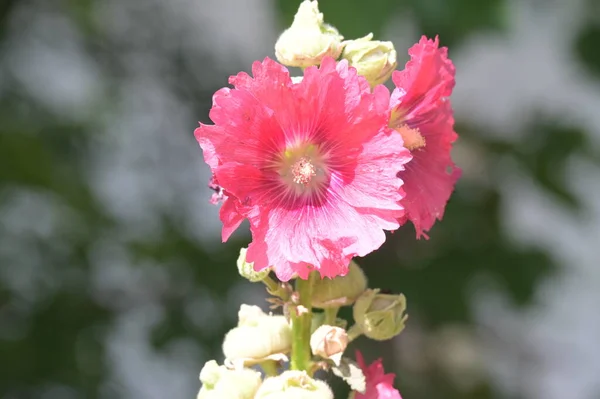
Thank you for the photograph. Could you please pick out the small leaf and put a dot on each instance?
(350, 372)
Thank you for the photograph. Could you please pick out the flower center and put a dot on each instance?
(412, 137)
(303, 171)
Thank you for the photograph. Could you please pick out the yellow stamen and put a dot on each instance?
(412, 137)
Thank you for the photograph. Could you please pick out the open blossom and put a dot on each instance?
(312, 165)
(422, 114)
(379, 384)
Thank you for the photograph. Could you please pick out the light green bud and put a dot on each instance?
(258, 337)
(309, 39)
(294, 384)
(247, 269)
(373, 59)
(380, 316)
(219, 382)
(339, 291)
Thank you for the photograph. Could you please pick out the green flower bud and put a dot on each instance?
(380, 316)
(219, 382)
(308, 40)
(373, 59)
(247, 269)
(339, 291)
(294, 384)
(258, 337)
(329, 342)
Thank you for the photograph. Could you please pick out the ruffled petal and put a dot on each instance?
(430, 177)
(230, 216)
(326, 237)
(426, 81)
(379, 384)
(370, 180)
(421, 102)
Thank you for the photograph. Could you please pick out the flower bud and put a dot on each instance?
(380, 316)
(294, 384)
(219, 382)
(339, 291)
(250, 315)
(308, 40)
(373, 59)
(329, 342)
(258, 337)
(247, 269)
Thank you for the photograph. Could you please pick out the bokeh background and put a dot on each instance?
(113, 280)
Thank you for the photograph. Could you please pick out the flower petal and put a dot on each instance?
(379, 384)
(420, 102)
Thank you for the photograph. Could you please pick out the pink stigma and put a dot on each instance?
(303, 171)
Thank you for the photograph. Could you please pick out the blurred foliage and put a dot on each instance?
(59, 336)
(587, 47)
(586, 42)
(453, 20)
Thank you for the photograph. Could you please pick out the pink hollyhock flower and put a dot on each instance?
(379, 384)
(312, 165)
(422, 114)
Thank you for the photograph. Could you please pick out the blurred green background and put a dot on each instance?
(113, 280)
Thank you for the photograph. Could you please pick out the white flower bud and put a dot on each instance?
(308, 40)
(380, 316)
(219, 382)
(294, 384)
(247, 269)
(329, 342)
(258, 337)
(339, 291)
(373, 59)
(250, 315)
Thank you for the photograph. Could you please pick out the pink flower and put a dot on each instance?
(422, 114)
(379, 384)
(312, 165)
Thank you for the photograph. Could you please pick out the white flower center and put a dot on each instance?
(303, 171)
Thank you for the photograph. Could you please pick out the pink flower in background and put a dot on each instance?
(312, 165)
(379, 384)
(422, 114)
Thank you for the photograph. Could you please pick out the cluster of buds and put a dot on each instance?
(257, 338)
(309, 39)
(266, 339)
(377, 316)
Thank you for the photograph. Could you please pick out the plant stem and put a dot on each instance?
(301, 320)
(270, 367)
(354, 332)
(330, 316)
(272, 286)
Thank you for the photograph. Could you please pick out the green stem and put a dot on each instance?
(301, 317)
(331, 316)
(270, 368)
(272, 286)
(276, 289)
(354, 332)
